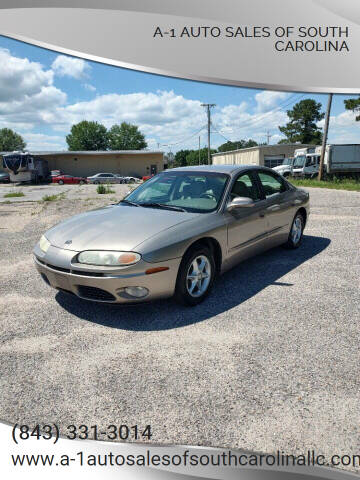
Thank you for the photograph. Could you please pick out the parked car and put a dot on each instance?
(104, 178)
(173, 234)
(147, 177)
(56, 173)
(68, 179)
(131, 180)
(121, 178)
(4, 177)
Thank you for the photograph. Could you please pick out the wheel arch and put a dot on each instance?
(213, 245)
(302, 211)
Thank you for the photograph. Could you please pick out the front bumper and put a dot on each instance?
(101, 285)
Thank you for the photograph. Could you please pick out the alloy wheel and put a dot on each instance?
(198, 276)
(296, 230)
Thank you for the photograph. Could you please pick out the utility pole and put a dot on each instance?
(325, 135)
(208, 106)
(199, 150)
(268, 136)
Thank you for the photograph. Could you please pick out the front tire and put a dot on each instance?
(296, 232)
(60, 182)
(196, 276)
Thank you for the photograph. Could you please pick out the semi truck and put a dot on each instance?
(25, 168)
(341, 160)
(285, 169)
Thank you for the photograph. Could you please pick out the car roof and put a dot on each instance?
(225, 168)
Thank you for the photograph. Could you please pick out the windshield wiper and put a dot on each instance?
(163, 205)
(129, 203)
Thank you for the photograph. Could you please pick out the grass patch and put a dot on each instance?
(53, 198)
(14, 194)
(49, 198)
(104, 189)
(350, 184)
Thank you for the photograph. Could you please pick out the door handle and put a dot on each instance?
(273, 208)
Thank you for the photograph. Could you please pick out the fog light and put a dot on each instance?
(137, 292)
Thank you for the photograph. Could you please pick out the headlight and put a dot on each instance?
(108, 258)
(44, 244)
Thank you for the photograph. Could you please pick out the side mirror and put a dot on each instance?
(239, 202)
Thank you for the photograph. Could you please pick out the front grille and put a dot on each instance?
(93, 293)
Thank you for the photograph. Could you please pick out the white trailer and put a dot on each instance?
(338, 160)
(24, 167)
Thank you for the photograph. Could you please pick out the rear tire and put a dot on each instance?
(195, 277)
(296, 232)
(81, 182)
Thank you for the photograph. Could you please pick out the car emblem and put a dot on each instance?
(68, 242)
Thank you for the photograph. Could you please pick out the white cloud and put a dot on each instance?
(27, 92)
(40, 141)
(267, 100)
(20, 78)
(70, 67)
(343, 128)
(89, 87)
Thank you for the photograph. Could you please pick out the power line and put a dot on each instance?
(257, 120)
(184, 139)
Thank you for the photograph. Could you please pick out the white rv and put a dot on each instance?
(24, 167)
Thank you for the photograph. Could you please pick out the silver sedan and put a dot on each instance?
(104, 178)
(173, 235)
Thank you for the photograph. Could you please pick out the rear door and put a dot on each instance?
(278, 203)
(246, 225)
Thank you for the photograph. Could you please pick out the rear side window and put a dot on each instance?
(272, 185)
(244, 186)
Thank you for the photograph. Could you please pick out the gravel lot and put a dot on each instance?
(270, 361)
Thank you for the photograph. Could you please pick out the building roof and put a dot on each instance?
(93, 152)
(257, 147)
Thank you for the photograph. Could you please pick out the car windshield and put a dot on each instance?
(186, 191)
(299, 161)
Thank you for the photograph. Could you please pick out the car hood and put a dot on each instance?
(117, 227)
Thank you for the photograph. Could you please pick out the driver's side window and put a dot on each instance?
(245, 186)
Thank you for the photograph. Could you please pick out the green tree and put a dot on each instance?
(126, 137)
(228, 146)
(87, 136)
(10, 140)
(302, 127)
(180, 158)
(354, 105)
(193, 157)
